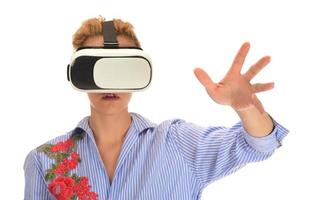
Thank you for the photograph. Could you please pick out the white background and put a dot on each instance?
(37, 102)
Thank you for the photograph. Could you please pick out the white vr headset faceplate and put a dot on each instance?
(115, 70)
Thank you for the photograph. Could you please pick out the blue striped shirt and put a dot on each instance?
(172, 160)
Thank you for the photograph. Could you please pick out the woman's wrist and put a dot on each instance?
(256, 123)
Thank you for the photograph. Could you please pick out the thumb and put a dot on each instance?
(203, 77)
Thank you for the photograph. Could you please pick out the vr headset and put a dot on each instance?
(109, 68)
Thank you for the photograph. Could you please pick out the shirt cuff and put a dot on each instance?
(268, 143)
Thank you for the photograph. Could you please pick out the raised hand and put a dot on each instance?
(235, 88)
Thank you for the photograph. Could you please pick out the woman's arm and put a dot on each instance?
(214, 152)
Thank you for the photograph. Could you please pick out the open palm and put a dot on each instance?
(235, 88)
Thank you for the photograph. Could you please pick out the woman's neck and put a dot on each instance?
(109, 129)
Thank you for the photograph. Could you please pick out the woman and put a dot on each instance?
(114, 154)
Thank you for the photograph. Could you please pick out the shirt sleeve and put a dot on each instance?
(214, 152)
(35, 184)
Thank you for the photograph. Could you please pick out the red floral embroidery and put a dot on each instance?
(62, 146)
(83, 190)
(67, 164)
(63, 185)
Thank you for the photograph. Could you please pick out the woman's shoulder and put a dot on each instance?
(49, 143)
(65, 136)
(45, 158)
(59, 142)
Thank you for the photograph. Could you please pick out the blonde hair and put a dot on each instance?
(94, 26)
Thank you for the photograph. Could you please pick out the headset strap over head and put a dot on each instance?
(110, 35)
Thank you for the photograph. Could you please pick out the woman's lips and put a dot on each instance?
(110, 97)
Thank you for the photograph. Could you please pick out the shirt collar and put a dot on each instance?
(139, 122)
